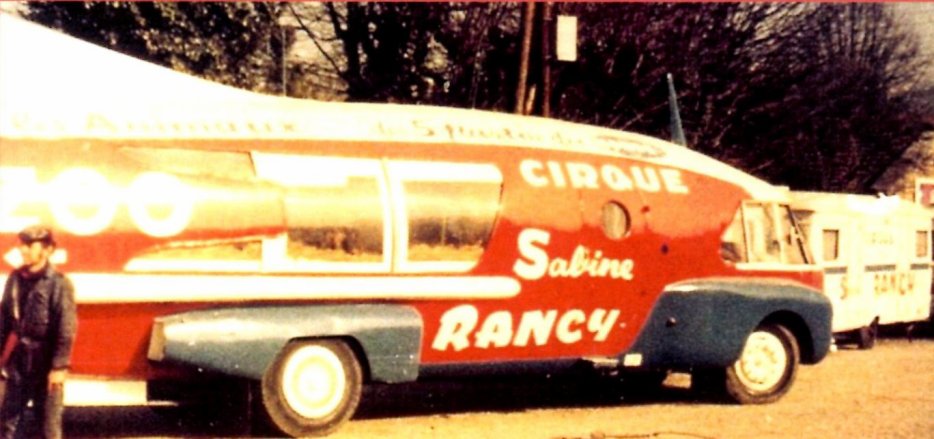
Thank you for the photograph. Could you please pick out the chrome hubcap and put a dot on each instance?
(762, 365)
(313, 381)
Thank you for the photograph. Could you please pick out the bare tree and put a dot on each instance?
(455, 54)
(850, 98)
(821, 96)
(382, 51)
(627, 49)
(233, 43)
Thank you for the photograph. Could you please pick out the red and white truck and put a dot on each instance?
(311, 248)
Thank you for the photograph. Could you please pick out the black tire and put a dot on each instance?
(300, 410)
(866, 336)
(709, 383)
(643, 383)
(628, 384)
(766, 368)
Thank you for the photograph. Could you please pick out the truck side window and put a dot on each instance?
(338, 223)
(733, 243)
(335, 214)
(449, 211)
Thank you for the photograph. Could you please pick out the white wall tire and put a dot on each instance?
(766, 368)
(312, 387)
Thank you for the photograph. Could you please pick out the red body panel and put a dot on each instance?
(675, 235)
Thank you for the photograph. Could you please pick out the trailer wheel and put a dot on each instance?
(867, 336)
(312, 387)
(766, 368)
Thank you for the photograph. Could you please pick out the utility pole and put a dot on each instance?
(284, 61)
(555, 41)
(528, 17)
(546, 58)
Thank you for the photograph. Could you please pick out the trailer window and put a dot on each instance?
(831, 245)
(921, 243)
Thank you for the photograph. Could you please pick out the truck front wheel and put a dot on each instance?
(763, 373)
(767, 367)
(312, 387)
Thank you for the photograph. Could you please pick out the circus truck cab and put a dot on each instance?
(312, 248)
(876, 257)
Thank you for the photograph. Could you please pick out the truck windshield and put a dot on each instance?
(763, 233)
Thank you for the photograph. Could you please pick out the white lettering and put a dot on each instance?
(534, 261)
(153, 189)
(601, 323)
(530, 170)
(579, 175)
(556, 175)
(623, 270)
(456, 325)
(646, 179)
(615, 178)
(459, 324)
(496, 330)
(536, 324)
(564, 332)
(582, 175)
(82, 201)
(16, 185)
(558, 268)
(672, 180)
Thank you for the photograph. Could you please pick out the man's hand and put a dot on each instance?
(57, 377)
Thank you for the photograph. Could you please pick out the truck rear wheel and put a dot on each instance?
(766, 368)
(312, 387)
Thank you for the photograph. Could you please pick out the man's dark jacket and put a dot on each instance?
(47, 315)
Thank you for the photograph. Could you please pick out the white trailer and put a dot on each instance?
(876, 256)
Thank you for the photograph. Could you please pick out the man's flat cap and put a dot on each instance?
(33, 234)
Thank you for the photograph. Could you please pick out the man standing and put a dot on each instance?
(38, 323)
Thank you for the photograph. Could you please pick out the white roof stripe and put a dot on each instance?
(95, 288)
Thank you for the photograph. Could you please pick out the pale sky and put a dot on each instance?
(921, 15)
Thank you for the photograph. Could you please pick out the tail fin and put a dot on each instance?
(677, 131)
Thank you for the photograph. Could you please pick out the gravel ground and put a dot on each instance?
(887, 392)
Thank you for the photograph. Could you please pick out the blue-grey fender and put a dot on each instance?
(705, 322)
(244, 341)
